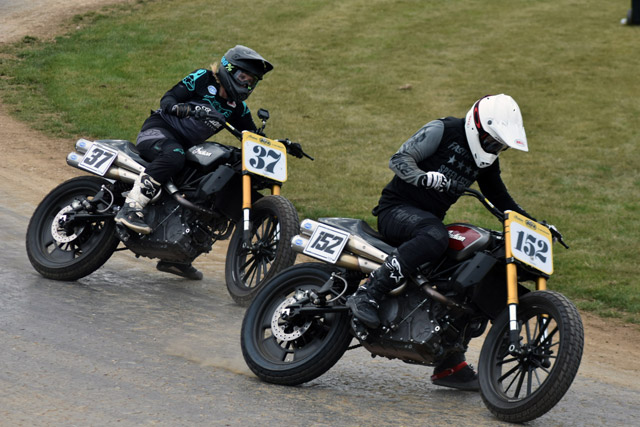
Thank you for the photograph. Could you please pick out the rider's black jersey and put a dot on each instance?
(200, 89)
(441, 146)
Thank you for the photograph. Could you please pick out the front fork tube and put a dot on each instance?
(246, 207)
(512, 304)
(512, 301)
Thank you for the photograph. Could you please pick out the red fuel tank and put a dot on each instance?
(465, 240)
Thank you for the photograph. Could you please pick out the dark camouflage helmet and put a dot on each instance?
(235, 65)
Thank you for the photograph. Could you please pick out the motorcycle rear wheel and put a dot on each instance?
(274, 223)
(63, 256)
(521, 388)
(300, 349)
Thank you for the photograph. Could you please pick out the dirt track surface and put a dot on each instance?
(33, 163)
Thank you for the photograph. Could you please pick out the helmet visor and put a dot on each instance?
(492, 145)
(245, 79)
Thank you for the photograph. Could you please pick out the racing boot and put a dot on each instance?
(131, 216)
(184, 270)
(455, 372)
(365, 302)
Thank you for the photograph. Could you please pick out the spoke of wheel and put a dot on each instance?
(269, 227)
(250, 273)
(527, 328)
(508, 373)
(274, 349)
(542, 339)
(521, 375)
(537, 377)
(259, 272)
(264, 263)
(505, 361)
(303, 352)
(530, 381)
(263, 230)
(515, 377)
(62, 254)
(265, 323)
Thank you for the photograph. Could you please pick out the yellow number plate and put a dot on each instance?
(263, 156)
(531, 242)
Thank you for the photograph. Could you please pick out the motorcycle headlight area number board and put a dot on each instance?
(326, 243)
(531, 242)
(263, 156)
(98, 159)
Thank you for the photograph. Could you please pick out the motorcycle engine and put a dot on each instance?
(177, 234)
(411, 330)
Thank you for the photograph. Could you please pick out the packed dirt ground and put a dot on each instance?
(33, 163)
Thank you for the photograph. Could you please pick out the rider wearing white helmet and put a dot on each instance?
(498, 127)
(413, 205)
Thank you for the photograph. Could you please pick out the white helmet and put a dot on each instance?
(493, 124)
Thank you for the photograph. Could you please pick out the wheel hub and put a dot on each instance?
(284, 330)
(58, 230)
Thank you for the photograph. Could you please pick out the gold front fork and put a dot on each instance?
(512, 293)
(512, 272)
(541, 284)
(246, 206)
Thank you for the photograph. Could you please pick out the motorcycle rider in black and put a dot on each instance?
(169, 131)
(413, 205)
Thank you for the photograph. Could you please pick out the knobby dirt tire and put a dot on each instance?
(93, 246)
(323, 340)
(275, 222)
(553, 354)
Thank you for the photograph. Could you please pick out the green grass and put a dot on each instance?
(337, 87)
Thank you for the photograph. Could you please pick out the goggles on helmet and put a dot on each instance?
(241, 77)
(245, 79)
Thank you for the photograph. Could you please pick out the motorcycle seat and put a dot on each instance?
(126, 147)
(360, 228)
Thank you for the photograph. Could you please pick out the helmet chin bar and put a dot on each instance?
(236, 91)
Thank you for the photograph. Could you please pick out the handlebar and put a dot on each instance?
(457, 188)
(293, 148)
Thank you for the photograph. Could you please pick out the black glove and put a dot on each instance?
(181, 110)
(555, 234)
(295, 149)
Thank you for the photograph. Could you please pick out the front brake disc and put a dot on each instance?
(57, 230)
(284, 330)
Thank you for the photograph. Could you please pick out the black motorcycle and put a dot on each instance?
(298, 325)
(72, 232)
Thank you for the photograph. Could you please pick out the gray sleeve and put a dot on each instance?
(421, 145)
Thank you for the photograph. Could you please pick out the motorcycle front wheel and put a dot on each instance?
(274, 223)
(69, 251)
(281, 347)
(519, 387)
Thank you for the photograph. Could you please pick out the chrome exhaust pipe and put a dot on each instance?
(353, 262)
(114, 172)
(123, 160)
(356, 244)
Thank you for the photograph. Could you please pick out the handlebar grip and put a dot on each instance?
(454, 187)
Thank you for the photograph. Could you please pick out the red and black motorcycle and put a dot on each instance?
(298, 325)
